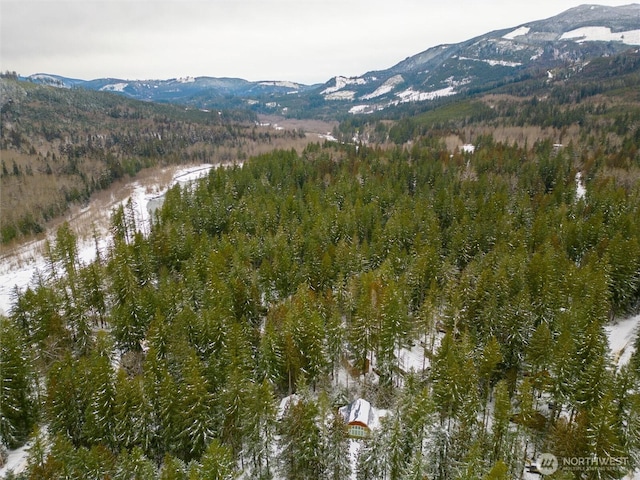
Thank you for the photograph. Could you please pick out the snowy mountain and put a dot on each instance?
(188, 90)
(571, 38)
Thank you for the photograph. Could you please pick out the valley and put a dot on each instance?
(429, 271)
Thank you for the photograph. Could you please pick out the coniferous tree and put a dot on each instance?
(172, 469)
(168, 411)
(18, 396)
(397, 457)
(216, 464)
(336, 450)
(300, 443)
(487, 363)
(371, 460)
(135, 466)
(194, 421)
(261, 429)
(363, 329)
(67, 399)
(394, 331)
(100, 417)
(603, 437)
(128, 314)
(502, 440)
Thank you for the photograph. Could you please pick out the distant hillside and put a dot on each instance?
(563, 104)
(58, 146)
(574, 37)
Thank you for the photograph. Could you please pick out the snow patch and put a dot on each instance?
(186, 80)
(17, 460)
(284, 404)
(361, 109)
(502, 63)
(518, 32)
(581, 190)
(602, 34)
(280, 84)
(385, 88)
(328, 136)
(411, 95)
(622, 336)
(493, 63)
(342, 82)
(114, 87)
(467, 147)
(341, 95)
(413, 359)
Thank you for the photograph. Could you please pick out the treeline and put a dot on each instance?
(168, 356)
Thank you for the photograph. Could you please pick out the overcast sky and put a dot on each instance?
(307, 41)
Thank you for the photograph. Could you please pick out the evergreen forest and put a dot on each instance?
(168, 357)
(221, 342)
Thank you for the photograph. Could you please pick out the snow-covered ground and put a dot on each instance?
(581, 190)
(602, 34)
(18, 267)
(342, 82)
(411, 95)
(516, 33)
(17, 460)
(622, 335)
(385, 88)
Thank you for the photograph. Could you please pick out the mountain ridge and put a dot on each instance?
(575, 36)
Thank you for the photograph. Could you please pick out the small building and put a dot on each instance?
(360, 418)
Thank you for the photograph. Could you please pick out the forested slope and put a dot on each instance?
(167, 357)
(59, 146)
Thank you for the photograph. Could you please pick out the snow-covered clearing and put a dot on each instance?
(328, 136)
(280, 84)
(363, 109)
(411, 95)
(114, 87)
(468, 148)
(342, 82)
(516, 33)
(602, 34)
(341, 95)
(581, 190)
(385, 88)
(493, 63)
